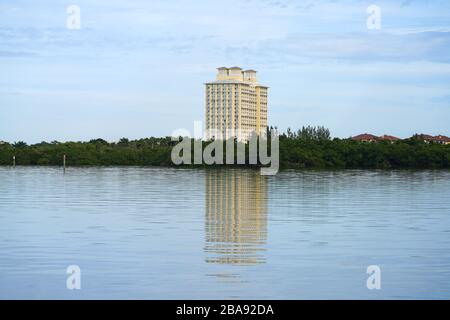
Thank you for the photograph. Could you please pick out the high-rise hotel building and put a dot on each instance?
(236, 105)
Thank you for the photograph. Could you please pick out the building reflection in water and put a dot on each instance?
(235, 217)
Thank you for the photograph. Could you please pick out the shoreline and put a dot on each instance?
(294, 153)
(223, 167)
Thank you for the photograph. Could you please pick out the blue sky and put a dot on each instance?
(136, 68)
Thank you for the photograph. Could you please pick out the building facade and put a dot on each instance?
(235, 105)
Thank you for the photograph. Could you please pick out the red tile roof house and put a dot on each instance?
(437, 139)
(441, 139)
(365, 137)
(389, 138)
(425, 137)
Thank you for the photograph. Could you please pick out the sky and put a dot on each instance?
(137, 68)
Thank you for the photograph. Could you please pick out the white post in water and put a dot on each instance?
(14, 161)
(64, 162)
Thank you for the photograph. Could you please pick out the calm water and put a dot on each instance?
(186, 234)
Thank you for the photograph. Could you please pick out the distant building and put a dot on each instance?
(386, 137)
(441, 139)
(436, 139)
(235, 105)
(425, 137)
(365, 137)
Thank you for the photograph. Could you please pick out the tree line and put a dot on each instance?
(308, 147)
